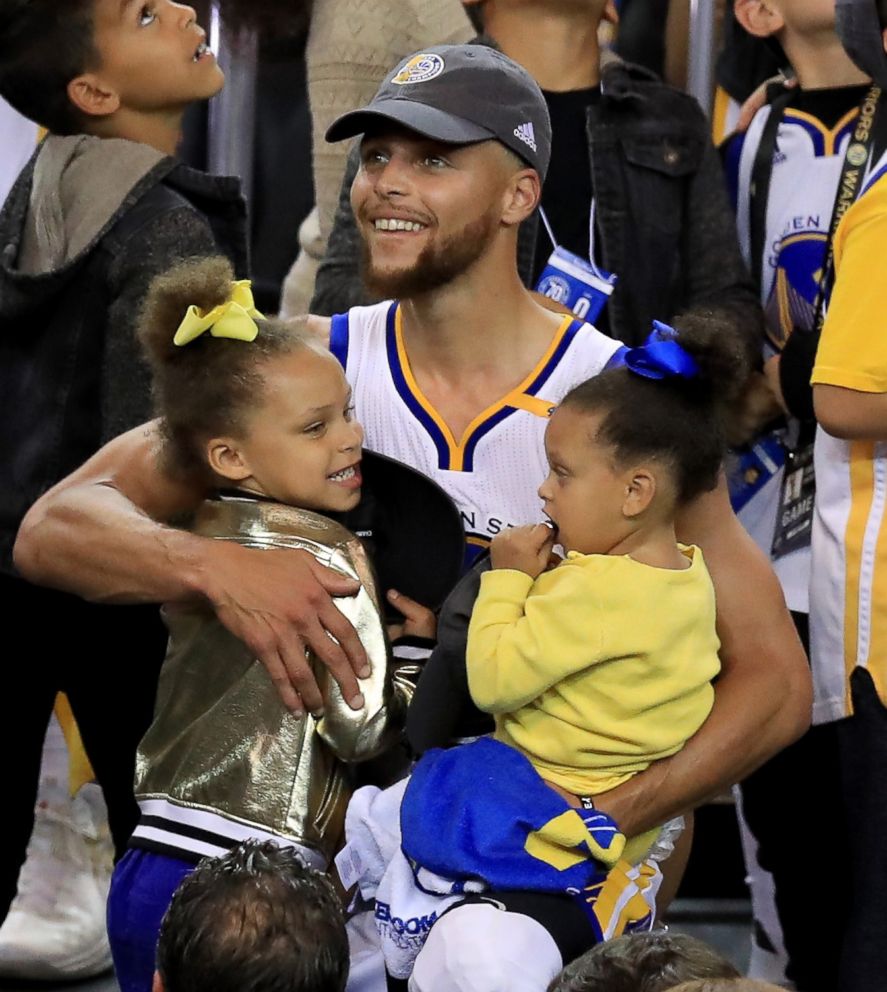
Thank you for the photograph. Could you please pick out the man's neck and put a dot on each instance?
(473, 340)
(820, 62)
(557, 46)
(160, 131)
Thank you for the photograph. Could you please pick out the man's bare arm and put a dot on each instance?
(763, 697)
(98, 534)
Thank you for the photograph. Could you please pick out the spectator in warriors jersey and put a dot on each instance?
(447, 177)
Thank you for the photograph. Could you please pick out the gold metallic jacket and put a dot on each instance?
(223, 759)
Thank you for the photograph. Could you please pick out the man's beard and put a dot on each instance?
(436, 266)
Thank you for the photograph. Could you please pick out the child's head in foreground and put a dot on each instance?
(97, 66)
(246, 402)
(643, 962)
(726, 985)
(630, 447)
(256, 918)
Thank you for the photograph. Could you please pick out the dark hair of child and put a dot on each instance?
(206, 388)
(258, 919)
(882, 12)
(677, 420)
(643, 962)
(44, 44)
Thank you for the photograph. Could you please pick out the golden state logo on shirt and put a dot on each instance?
(420, 69)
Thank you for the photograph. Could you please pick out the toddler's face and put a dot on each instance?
(303, 444)
(584, 492)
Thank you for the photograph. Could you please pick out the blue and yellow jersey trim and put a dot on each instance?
(826, 141)
(458, 455)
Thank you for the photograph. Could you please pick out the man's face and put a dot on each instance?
(427, 211)
(153, 55)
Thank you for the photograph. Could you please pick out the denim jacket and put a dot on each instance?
(664, 220)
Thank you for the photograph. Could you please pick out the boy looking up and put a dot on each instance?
(101, 208)
(799, 158)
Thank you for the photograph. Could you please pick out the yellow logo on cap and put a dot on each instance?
(420, 69)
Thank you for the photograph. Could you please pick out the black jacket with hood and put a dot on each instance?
(84, 230)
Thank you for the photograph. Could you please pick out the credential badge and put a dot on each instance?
(420, 69)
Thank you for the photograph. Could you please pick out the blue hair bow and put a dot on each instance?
(661, 357)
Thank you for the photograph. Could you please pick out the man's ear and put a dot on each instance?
(758, 17)
(640, 488)
(522, 196)
(226, 459)
(884, 39)
(92, 96)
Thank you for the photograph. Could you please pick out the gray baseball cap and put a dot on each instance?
(460, 94)
(859, 29)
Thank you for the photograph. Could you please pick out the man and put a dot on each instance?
(633, 184)
(464, 350)
(256, 918)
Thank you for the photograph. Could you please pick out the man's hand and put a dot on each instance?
(758, 99)
(279, 603)
(419, 621)
(526, 549)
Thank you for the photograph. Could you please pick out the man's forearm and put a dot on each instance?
(753, 718)
(95, 533)
(91, 540)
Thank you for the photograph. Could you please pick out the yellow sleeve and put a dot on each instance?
(524, 637)
(852, 351)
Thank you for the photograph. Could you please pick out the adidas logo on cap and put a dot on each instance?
(525, 133)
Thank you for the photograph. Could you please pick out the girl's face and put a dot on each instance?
(585, 492)
(302, 444)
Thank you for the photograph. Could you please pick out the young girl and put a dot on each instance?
(264, 415)
(602, 664)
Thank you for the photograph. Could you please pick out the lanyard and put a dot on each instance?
(591, 238)
(870, 130)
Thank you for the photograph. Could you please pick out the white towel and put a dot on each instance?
(372, 859)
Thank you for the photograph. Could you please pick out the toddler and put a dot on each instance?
(602, 663)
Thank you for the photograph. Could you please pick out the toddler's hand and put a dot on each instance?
(419, 621)
(526, 549)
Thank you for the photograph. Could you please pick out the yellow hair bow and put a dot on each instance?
(235, 318)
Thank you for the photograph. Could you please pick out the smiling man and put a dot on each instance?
(457, 378)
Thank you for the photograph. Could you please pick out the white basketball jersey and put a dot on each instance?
(493, 471)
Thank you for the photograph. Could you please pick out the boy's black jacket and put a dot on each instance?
(71, 372)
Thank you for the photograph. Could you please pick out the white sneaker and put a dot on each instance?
(56, 929)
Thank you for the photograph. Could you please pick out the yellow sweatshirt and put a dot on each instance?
(596, 668)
